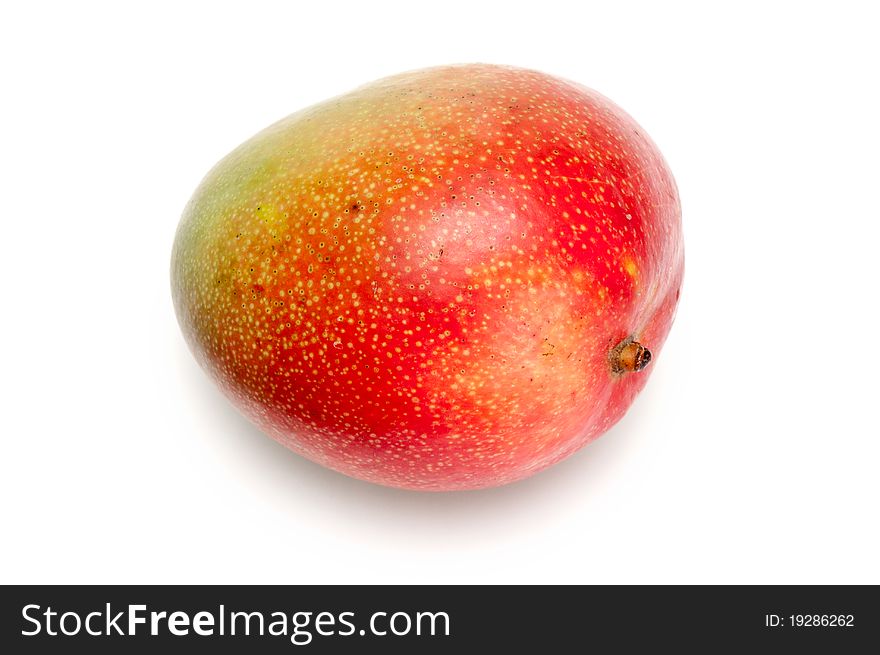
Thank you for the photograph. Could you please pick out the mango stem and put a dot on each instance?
(629, 357)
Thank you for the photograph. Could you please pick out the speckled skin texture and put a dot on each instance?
(419, 283)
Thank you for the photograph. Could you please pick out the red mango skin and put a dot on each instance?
(420, 283)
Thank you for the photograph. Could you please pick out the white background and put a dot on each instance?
(752, 456)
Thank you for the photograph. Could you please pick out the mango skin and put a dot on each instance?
(419, 283)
